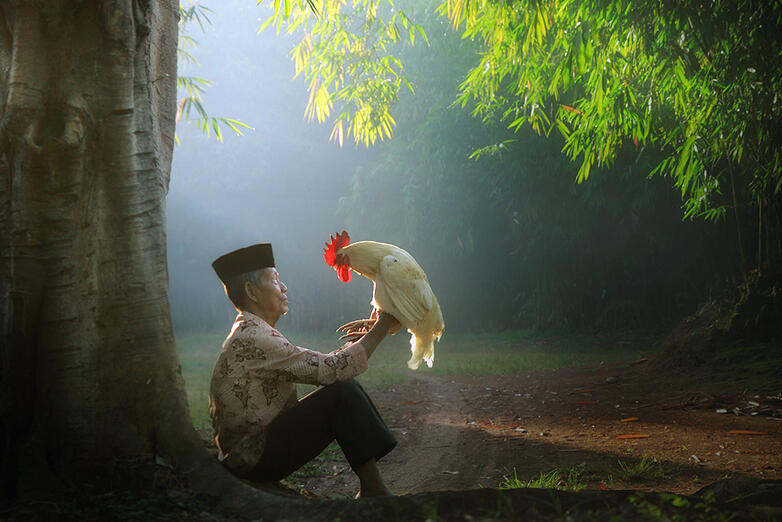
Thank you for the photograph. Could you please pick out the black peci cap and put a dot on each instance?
(248, 259)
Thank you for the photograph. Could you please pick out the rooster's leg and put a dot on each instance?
(357, 325)
(360, 324)
(354, 330)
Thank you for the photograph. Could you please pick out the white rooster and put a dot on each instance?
(401, 288)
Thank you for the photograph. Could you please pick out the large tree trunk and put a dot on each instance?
(90, 380)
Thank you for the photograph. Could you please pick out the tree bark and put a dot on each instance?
(90, 385)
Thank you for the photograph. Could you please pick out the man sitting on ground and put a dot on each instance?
(263, 431)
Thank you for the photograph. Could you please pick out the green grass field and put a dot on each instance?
(457, 354)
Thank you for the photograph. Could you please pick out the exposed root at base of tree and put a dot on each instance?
(735, 499)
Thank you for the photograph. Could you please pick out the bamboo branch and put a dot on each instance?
(738, 216)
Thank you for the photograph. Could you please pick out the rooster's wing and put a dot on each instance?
(402, 284)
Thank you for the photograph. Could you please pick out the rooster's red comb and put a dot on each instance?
(337, 242)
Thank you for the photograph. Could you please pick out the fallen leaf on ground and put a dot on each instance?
(746, 432)
(629, 419)
(633, 436)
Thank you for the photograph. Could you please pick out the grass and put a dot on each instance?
(737, 368)
(457, 354)
(576, 478)
(317, 467)
(197, 355)
(554, 479)
(648, 468)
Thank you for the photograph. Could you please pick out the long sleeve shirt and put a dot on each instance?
(254, 380)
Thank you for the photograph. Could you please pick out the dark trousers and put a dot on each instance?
(341, 411)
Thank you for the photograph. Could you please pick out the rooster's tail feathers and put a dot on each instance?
(422, 347)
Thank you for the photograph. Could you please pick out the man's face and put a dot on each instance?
(269, 294)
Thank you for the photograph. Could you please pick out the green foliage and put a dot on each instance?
(194, 87)
(648, 468)
(668, 506)
(318, 467)
(699, 82)
(191, 12)
(511, 230)
(554, 479)
(197, 355)
(345, 54)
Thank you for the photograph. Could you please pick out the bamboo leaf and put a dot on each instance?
(265, 24)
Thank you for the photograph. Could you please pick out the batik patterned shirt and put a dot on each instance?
(254, 380)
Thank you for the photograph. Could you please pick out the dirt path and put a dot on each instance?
(460, 433)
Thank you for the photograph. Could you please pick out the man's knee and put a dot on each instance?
(349, 388)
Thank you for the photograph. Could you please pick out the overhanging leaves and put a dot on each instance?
(698, 81)
(345, 53)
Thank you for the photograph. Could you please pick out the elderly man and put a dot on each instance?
(263, 431)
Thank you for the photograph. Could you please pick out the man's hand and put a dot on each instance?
(390, 322)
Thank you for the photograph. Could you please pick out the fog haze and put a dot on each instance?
(509, 241)
(281, 182)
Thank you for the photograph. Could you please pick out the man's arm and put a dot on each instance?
(379, 330)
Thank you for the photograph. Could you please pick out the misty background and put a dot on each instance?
(281, 182)
(508, 241)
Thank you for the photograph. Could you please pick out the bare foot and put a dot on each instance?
(384, 492)
(372, 484)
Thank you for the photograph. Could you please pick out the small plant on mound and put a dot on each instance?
(554, 479)
(648, 468)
